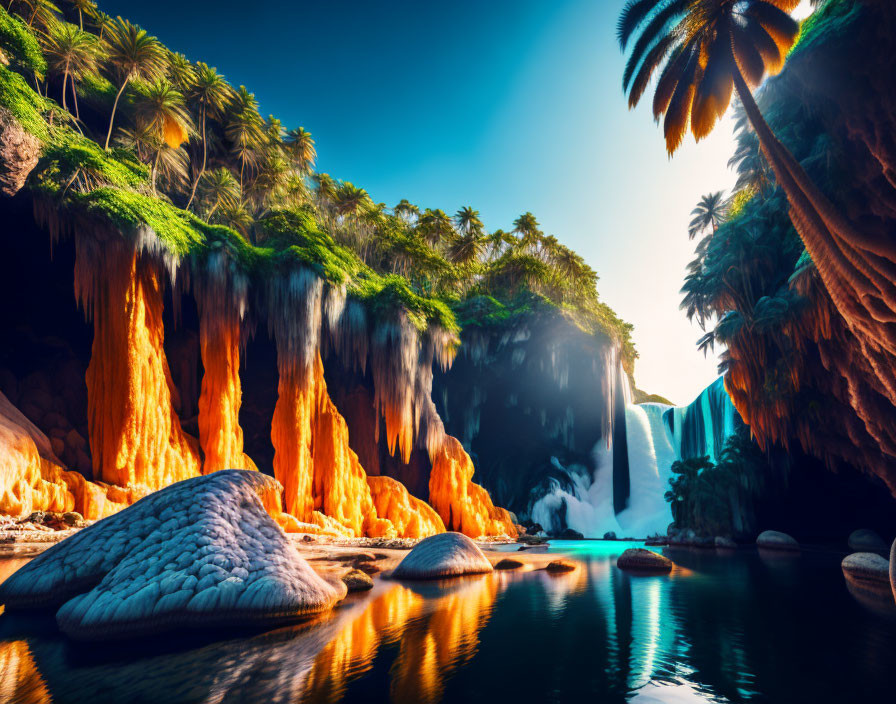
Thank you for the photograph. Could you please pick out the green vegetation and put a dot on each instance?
(190, 156)
(721, 499)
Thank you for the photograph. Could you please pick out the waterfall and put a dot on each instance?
(624, 492)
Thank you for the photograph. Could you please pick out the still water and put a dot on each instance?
(742, 627)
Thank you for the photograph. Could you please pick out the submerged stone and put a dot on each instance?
(443, 555)
(642, 560)
(508, 563)
(864, 540)
(561, 565)
(202, 552)
(774, 540)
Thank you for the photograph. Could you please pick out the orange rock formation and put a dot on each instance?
(321, 474)
(135, 436)
(220, 434)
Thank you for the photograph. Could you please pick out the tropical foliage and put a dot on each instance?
(211, 153)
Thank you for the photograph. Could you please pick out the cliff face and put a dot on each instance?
(137, 441)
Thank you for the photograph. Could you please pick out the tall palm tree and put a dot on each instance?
(132, 53)
(245, 130)
(160, 112)
(180, 71)
(407, 211)
(71, 52)
(709, 214)
(710, 48)
(300, 147)
(211, 93)
(436, 226)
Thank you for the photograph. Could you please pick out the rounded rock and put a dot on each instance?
(775, 540)
(561, 565)
(642, 560)
(442, 555)
(357, 581)
(508, 563)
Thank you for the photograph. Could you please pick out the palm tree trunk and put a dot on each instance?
(204, 158)
(71, 81)
(155, 168)
(64, 88)
(114, 108)
(80, 20)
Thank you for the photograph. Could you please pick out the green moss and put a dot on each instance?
(69, 152)
(20, 46)
(25, 105)
(832, 17)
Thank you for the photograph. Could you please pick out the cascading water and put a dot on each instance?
(648, 439)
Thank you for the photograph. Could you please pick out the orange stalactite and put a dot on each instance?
(220, 434)
(135, 435)
(324, 483)
(464, 506)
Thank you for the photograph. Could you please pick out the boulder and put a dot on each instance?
(609, 535)
(642, 560)
(200, 553)
(73, 519)
(724, 543)
(357, 581)
(864, 540)
(773, 540)
(508, 563)
(442, 555)
(561, 565)
(570, 534)
(868, 571)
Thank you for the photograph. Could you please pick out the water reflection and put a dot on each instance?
(733, 628)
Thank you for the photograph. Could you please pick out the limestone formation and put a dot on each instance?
(203, 552)
(867, 571)
(774, 540)
(864, 540)
(642, 560)
(19, 153)
(443, 555)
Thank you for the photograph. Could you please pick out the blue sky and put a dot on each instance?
(505, 106)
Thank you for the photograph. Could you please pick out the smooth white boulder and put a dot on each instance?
(442, 555)
(200, 553)
(868, 571)
(774, 540)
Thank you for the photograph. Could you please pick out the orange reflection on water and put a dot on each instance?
(436, 632)
(20, 680)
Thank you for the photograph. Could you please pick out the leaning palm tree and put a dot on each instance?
(709, 214)
(70, 52)
(210, 92)
(708, 49)
(132, 53)
(160, 111)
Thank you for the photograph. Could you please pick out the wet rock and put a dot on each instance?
(561, 565)
(641, 560)
(202, 552)
(868, 571)
(864, 540)
(508, 563)
(442, 555)
(774, 540)
(657, 541)
(724, 543)
(357, 581)
(73, 519)
(19, 152)
(609, 535)
(570, 534)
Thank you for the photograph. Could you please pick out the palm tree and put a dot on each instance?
(526, 226)
(244, 130)
(468, 221)
(84, 7)
(160, 112)
(709, 213)
(180, 71)
(210, 92)
(709, 49)
(435, 226)
(132, 53)
(300, 147)
(218, 188)
(71, 52)
(407, 211)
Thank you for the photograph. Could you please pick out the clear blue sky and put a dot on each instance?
(505, 106)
